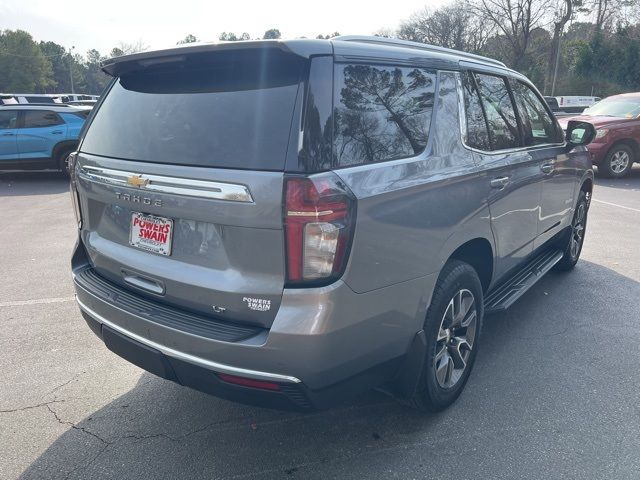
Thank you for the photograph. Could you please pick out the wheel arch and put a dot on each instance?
(586, 186)
(631, 143)
(477, 252)
(63, 146)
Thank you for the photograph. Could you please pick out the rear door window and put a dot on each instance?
(223, 109)
(499, 110)
(477, 132)
(41, 118)
(537, 125)
(381, 112)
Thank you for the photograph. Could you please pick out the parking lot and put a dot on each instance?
(554, 393)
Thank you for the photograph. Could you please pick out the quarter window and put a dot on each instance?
(381, 112)
(537, 125)
(41, 118)
(499, 110)
(8, 119)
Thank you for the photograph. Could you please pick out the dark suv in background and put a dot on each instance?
(289, 223)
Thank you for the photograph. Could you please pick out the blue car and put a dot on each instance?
(38, 137)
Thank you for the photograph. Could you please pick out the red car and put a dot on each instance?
(617, 143)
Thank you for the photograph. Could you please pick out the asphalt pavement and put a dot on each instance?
(554, 393)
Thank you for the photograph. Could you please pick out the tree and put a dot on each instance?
(95, 79)
(271, 33)
(128, 48)
(562, 16)
(620, 52)
(385, 33)
(232, 37)
(327, 37)
(23, 66)
(188, 39)
(515, 20)
(59, 59)
(452, 26)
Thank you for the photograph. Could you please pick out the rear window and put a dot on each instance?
(227, 109)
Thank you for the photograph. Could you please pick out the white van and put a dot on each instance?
(575, 104)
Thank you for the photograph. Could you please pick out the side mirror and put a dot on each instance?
(580, 133)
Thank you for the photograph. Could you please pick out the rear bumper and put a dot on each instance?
(325, 345)
(289, 395)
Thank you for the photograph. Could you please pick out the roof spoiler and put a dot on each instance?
(116, 66)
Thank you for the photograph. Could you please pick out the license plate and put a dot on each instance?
(151, 233)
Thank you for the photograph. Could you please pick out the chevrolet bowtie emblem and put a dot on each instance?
(137, 181)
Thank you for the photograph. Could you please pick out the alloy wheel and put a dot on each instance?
(619, 161)
(455, 339)
(577, 231)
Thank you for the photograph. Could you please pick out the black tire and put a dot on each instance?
(431, 394)
(61, 159)
(575, 239)
(618, 162)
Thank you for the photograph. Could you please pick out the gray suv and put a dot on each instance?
(290, 223)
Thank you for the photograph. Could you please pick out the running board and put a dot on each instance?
(505, 294)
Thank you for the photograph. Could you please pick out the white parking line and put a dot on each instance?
(615, 205)
(36, 301)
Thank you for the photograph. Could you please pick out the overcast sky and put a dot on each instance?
(102, 25)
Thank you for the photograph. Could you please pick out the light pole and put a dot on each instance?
(70, 67)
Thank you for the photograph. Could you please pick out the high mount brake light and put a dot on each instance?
(319, 218)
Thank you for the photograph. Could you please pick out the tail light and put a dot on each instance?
(75, 199)
(319, 219)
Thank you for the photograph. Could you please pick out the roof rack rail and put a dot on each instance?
(395, 42)
(37, 104)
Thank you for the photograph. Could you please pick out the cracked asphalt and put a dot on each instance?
(554, 393)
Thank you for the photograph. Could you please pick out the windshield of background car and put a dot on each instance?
(226, 109)
(615, 108)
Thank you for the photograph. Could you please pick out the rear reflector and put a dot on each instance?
(319, 217)
(248, 382)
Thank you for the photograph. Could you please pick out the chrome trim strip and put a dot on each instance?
(218, 367)
(296, 213)
(232, 192)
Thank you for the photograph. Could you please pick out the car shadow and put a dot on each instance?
(533, 378)
(32, 183)
(631, 181)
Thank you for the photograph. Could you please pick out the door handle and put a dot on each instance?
(56, 132)
(144, 283)
(8, 134)
(547, 168)
(499, 182)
